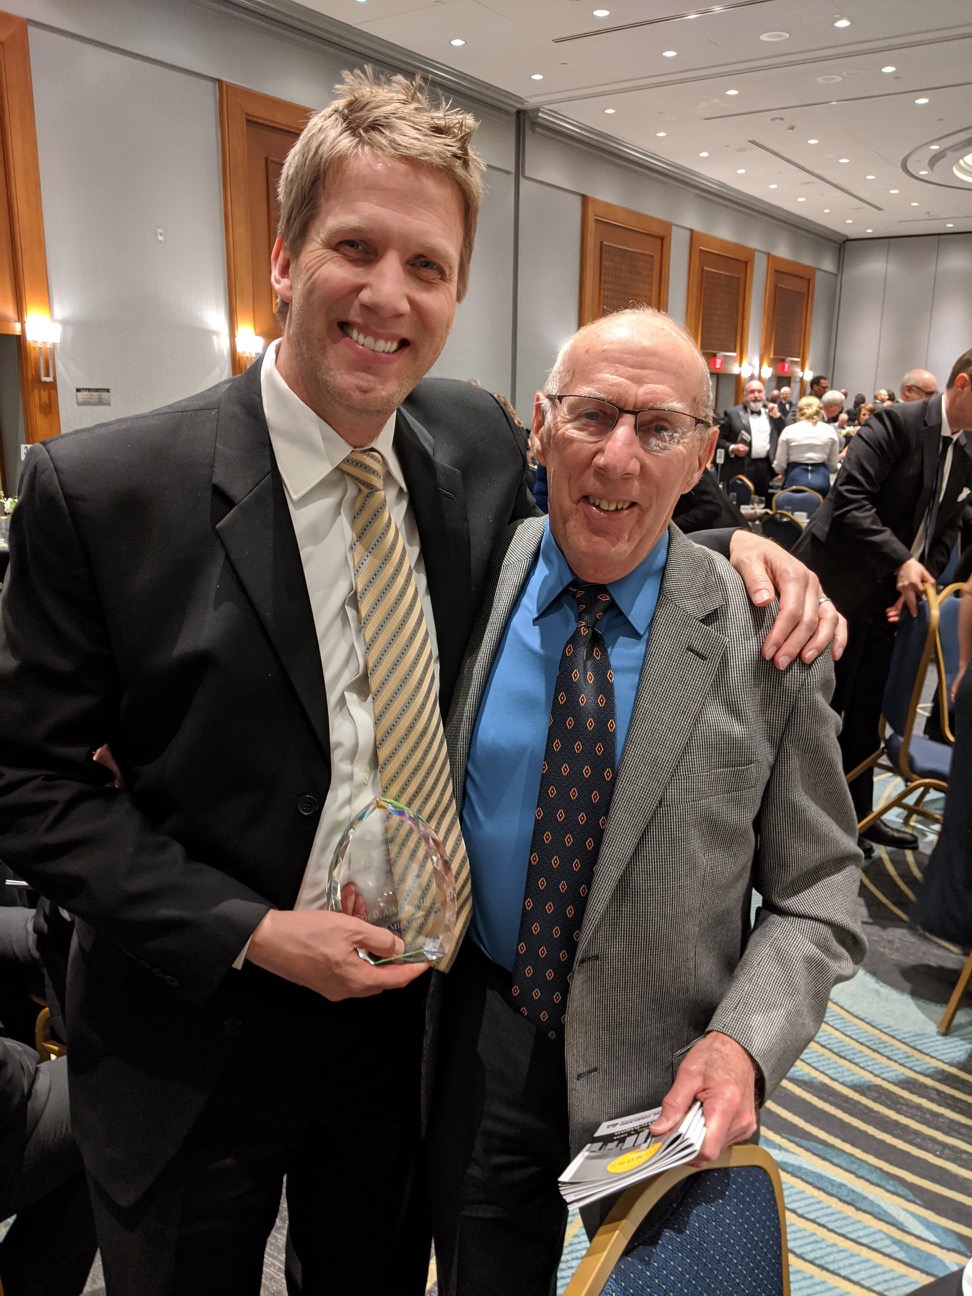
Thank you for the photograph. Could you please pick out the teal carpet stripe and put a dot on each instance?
(855, 1198)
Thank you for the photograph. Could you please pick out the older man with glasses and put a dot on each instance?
(918, 384)
(629, 769)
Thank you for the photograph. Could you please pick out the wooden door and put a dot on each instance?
(624, 260)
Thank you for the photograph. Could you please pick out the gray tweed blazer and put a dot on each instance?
(730, 782)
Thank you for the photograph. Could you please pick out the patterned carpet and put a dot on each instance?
(872, 1128)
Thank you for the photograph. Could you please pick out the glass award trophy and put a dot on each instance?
(389, 869)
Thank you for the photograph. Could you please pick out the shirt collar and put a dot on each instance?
(946, 430)
(633, 593)
(305, 447)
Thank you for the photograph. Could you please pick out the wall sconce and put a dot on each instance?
(43, 333)
(248, 346)
(766, 372)
(808, 374)
(746, 369)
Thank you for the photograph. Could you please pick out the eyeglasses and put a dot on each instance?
(588, 418)
(924, 390)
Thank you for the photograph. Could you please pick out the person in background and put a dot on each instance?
(808, 450)
(748, 434)
(885, 530)
(943, 903)
(918, 384)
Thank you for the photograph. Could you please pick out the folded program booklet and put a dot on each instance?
(623, 1152)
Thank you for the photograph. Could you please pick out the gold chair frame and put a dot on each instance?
(615, 1235)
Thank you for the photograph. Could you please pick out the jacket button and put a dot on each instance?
(306, 803)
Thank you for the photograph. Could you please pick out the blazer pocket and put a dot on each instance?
(709, 783)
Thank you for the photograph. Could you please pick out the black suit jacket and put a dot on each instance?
(734, 428)
(156, 600)
(863, 531)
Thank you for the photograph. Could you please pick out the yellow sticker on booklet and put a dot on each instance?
(632, 1160)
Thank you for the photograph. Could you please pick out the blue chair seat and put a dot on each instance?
(928, 759)
(714, 1238)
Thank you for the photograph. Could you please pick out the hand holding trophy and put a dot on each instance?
(389, 869)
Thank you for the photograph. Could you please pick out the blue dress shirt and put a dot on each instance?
(509, 738)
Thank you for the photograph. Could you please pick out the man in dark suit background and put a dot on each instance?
(884, 531)
(181, 587)
(748, 433)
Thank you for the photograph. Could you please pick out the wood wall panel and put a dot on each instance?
(257, 132)
(624, 260)
(787, 320)
(23, 225)
(720, 290)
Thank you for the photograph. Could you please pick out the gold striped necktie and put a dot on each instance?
(413, 764)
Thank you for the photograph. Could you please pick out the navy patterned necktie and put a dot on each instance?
(576, 783)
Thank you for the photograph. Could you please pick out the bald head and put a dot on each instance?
(918, 384)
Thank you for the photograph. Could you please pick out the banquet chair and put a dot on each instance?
(722, 1234)
(947, 655)
(740, 490)
(951, 1008)
(921, 763)
(797, 499)
(782, 527)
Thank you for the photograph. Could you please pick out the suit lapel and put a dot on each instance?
(508, 571)
(438, 500)
(253, 523)
(681, 660)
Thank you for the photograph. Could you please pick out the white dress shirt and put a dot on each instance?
(321, 501)
(759, 430)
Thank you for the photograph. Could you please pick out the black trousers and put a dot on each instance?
(498, 1141)
(326, 1094)
(51, 1244)
(860, 677)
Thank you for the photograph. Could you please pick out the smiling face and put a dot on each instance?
(611, 501)
(372, 292)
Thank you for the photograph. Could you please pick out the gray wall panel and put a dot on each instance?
(549, 286)
(127, 148)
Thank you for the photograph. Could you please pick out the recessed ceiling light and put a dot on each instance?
(922, 172)
(949, 225)
(775, 36)
(934, 147)
(831, 78)
(669, 53)
(842, 22)
(894, 191)
(801, 199)
(889, 68)
(610, 110)
(843, 159)
(660, 134)
(774, 186)
(813, 141)
(457, 42)
(703, 155)
(826, 211)
(914, 204)
(962, 170)
(740, 170)
(732, 92)
(868, 231)
(848, 221)
(921, 101)
(601, 13)
(870, 177)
